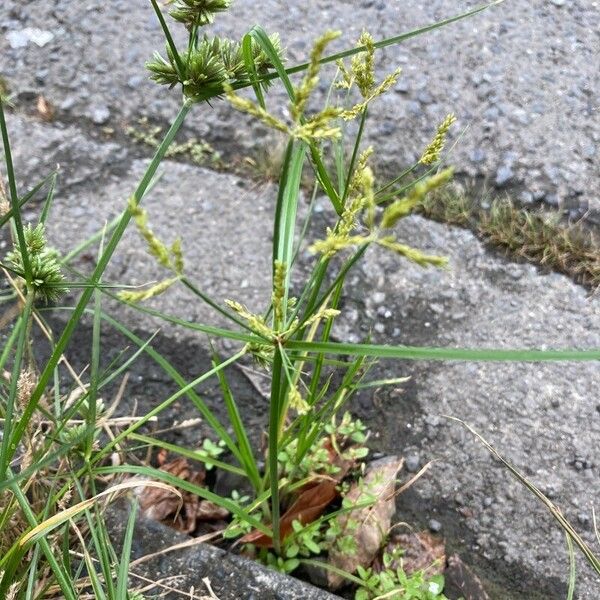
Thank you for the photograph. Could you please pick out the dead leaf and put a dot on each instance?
(310, 504)
(181, 514)
(369, 525)
(422, 551)
(209, 511)
(44, 109)
(461, 577)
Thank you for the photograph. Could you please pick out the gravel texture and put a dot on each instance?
(522, 79)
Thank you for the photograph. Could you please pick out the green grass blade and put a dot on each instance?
(12, 559)
(278, 390)
(392, 41)
(123, 575)
(14, 198)
(208, 329)
(62, 342)
(262, 39)
(357, 141)
(49, 199)
(77, 250)
(423, 353)
(152, 473)
(208, 300)
(27, 197)
(169, 38)
(94, 372)
(247, 455)
(5, 454)
(251, 68)
(198, 403)
(286, 210)
(191, 454)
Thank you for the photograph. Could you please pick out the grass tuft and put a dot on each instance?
(542, 238)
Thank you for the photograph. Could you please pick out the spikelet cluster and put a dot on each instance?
(433, 151)
(209, 65)
(196, 13)
(47, 278)
(278, 296)
(311, 79)
(361, 199)
(405, 205)
(170, 258)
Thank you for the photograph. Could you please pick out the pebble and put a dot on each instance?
(412, 462)
(100, 115)
(477, 155)
(434, 526)
(504, 175)
(526, 197)
(21, 38)
(558, 2)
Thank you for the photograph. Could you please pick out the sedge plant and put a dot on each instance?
(308, 437)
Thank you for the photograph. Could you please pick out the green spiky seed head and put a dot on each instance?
(47, 277)
(197, 13)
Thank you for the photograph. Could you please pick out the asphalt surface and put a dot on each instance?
(522, 79)
(544, 418)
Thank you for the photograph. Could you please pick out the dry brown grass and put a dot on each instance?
(542, 238)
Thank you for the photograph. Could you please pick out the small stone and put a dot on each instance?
(438, 309)
(401, 87)
(526, 198)
(488, 501)
(434, 526)
(504, 175)
(40, 76)
(378, 297)
(584, 519)
(135, 81)
(492, 113)
(100, 115)
(379, 327)
(433, 421)
(589, 151)
(412, 462)
(477, 156)
(22, 37)
(67, 103)
(424, 97)
(558, 3)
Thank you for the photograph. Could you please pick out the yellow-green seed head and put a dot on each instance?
(433, 151)
(310, 80)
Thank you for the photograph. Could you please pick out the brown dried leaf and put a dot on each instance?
(183, 515)
(209, 511)
(461, 577)
(368, 525)
(422, 551)
(310, 504)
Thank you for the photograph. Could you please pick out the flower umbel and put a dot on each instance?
(209, 66)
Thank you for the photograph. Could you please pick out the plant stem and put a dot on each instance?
(62, 342)
(274, 409)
